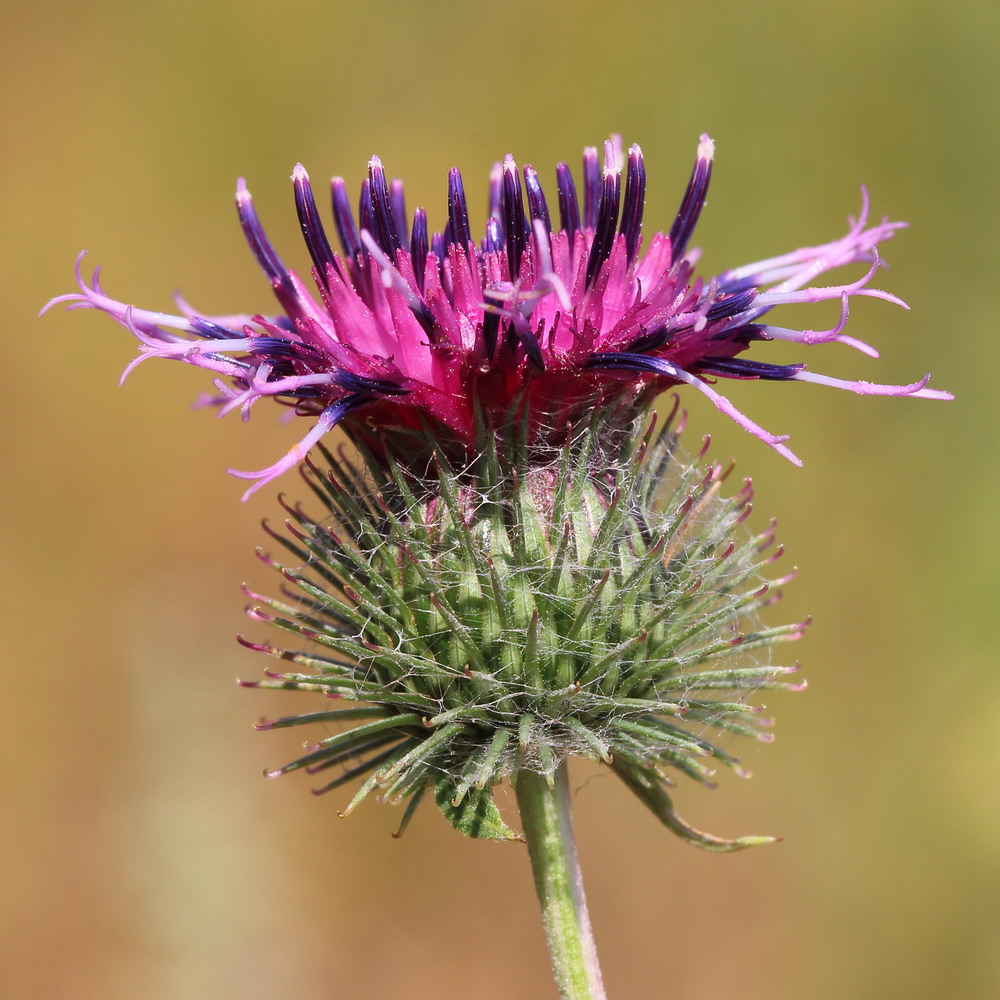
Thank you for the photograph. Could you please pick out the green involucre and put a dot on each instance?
(511, 613)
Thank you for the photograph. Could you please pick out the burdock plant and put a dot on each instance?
(511, 564)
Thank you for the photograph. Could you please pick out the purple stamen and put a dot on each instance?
(694, 200)
(569, 209)
(537, 206)
(491, 329)
(745, 368)
(366, 211)
(532, 348)
(731, 304)
(513, 215)
(743, 334)
(278, 347)
(591, 187)
(629, 361)
(458, 211)
(496, 191)
(343, 218)
(494, 238)
(212, 331)
(385, 231)
(397, 199)
(418, 246)
(284, 287)
(372, 386)
(256, 237)
(651, 341)
(493, 241)
(635, 199)
(312, 226)
(607, 217)
(660, 366)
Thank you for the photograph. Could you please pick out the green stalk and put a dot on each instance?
(548, 830)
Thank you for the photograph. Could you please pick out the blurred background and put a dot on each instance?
(144, 855)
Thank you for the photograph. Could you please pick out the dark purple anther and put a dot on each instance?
(496, 191)
(493, 241)
(373, 386)
(569, 207)
(514, 221)
(418, 246)
(591, 187)
(366, 214)
(744, 368)
(607, 217)
(458, 211)
(278, 347)
(744, 334)
(491, 331)
(635, 197)
(537, 206)
(627, 361)
(281, 282)
(312, 226)
(398, 201)
(731, 305)
(344, 219)
(439, 247)
(213, 331)
(651, 340)
(532, 349)
(385, 232)
(694, 200)
(255, 236)
(336, 412)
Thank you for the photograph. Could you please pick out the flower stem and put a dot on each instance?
(548, 830)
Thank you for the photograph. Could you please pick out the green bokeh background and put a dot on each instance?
(143, 854)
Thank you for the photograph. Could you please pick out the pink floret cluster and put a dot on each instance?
(547, 316)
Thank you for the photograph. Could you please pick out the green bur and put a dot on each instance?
(596, 600)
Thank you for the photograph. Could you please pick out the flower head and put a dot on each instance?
(503, 575)
(554, 316)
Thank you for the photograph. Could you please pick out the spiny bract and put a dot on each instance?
(524, 608)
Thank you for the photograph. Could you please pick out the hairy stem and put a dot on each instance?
(548, 830)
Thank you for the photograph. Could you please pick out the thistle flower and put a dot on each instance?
(408, 329)
(506, 572)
